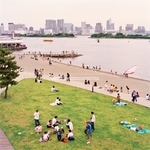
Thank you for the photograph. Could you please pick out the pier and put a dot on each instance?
(63, 54)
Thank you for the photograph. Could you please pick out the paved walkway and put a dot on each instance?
(4, 142)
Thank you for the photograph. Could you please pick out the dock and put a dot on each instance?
(64, 54)
(4, 142)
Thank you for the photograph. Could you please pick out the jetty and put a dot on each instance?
(63, 54)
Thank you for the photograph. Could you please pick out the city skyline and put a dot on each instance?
(35, 12)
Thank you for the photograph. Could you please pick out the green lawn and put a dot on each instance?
(16, 115)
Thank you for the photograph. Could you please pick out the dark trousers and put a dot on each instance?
(36, 122)
(92, 125)
(59, 137)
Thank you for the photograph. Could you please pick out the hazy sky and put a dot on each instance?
(35, 12)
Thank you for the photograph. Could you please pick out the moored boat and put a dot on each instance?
(12, 44)
(47, 40)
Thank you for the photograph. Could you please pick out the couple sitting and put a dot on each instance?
(57, 102)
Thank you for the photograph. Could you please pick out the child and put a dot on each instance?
(59, 135)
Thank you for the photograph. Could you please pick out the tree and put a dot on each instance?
(8, 69)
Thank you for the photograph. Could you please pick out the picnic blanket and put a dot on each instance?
(134, 127)
(120, 104)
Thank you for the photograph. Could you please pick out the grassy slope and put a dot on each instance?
(16, 115)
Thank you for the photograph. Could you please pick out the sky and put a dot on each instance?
(35, 12)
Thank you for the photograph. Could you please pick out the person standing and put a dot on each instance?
(36, 117)
(93, 119)
(133, 96)
(118, 98)
(88, 131)
(68, 77)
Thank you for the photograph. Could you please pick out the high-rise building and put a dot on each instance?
(2, 29)
(11, 28)
(98, 28)
(109, 25)
(60, 25)
(83, 25)
(51, 24)
(129, 27)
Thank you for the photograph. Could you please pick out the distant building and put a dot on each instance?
(78, 30)
(98, 28)
(2, 29)
(140, 29)
(51, 24)
(109, 25)
(11, 28)
(68, 27)
(120, 29)
(60, 26)
(129, 27)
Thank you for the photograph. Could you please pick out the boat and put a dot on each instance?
(47, 40)
(130, 70)
(12, 44)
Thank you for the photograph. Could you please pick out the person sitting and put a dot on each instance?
(58, 101)
(56, 129)
(49, 124)
(39, 81)
(147, 97)
(53, 89)
(45, 137)
(59, 135)
(65, 139)
(70, 135)
(38, 129)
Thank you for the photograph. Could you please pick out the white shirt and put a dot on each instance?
(70, 125)
(53, 89)
(70, 134)
(36, 115)
(53, 121)
(45, 136)
(56, 128)
(147, 97)
(57, 101)
(93, 119)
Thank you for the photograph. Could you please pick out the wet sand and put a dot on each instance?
(79, 74)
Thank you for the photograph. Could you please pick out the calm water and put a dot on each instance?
(111, 54)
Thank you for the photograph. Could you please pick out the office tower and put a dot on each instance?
(83, 25)
(51, 25)
(109, 25)
(11, 28)
(2, 29)
(129, 27)
(98, 28)
(60, 25)
(140, 29)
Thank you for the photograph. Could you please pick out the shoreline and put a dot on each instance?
(78, 74)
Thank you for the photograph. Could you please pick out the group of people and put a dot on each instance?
(59, 131)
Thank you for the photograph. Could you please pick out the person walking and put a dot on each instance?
(93, 119)
(133, 96)
(36, 117)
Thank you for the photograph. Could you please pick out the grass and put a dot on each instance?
(16, 115)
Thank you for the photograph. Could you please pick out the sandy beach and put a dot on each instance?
(78, 74)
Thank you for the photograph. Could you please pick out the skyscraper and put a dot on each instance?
(60, 25)
(11, 28)
(129, 27)
(51, 24)
(109, 25)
